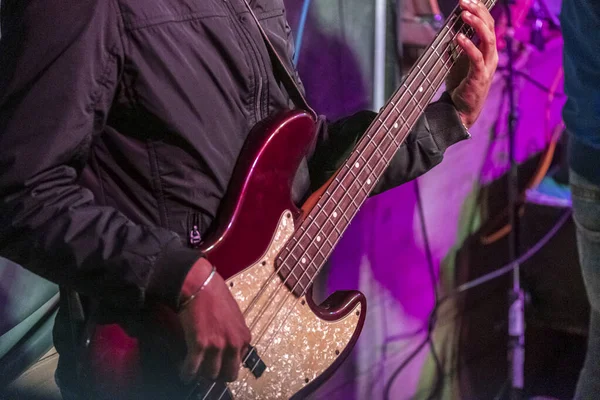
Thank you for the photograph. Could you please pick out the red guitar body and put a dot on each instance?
(256, 220)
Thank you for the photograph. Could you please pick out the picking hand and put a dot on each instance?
(216, 334)
(470, 78)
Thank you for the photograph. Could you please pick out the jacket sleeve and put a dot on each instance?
(59, 70)
(437, 129)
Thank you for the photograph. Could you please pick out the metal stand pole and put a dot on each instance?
(516, 311)
(380, 53)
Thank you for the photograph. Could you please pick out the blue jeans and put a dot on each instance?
(586, 213)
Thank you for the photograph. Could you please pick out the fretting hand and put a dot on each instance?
(470, 78)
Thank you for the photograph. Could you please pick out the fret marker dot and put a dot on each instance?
(318, 238)
(303, 260)
(356, 165)
(334, 214)
(368, 181)
(421, 89)
(396, 125)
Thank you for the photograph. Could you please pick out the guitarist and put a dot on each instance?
(120, 124)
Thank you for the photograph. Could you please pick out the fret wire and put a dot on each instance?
(363, 159)
(286, 248)
(367, 162)
(352, 201)
(299, 282)
(400, 115)
(395, 106)
(379, 151)
(294, 274)
(321, 254)
(409, 91)
(419, 106)
(353, 173)
(333, 223)
(386, 128)
(430, 65)
(335, 228)
(382, 123)
(367, 189)
(346, 218)
(299, 243)
(372, 172)
(397, 146)
(426, 77)
(329, 243)
(317, 251)
(341, 184)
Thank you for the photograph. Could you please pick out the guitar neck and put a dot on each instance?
(355, 180)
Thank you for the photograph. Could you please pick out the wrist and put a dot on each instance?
(195, 279)
(465, 121)
(170, 270)
(464, 124)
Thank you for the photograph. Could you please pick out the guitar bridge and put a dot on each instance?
(254, 363)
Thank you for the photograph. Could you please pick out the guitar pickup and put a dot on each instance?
(254, 363)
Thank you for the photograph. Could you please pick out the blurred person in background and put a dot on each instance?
(580, 21)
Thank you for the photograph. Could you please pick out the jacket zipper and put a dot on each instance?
(194, 236)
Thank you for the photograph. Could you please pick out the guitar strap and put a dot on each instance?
(281, 71)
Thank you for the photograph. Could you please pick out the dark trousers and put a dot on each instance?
(586, 213)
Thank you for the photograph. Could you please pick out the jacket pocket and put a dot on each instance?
(275, 24)
(270, 14)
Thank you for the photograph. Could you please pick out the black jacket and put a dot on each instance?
(121, 122)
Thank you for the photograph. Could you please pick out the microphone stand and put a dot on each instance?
(516, 297)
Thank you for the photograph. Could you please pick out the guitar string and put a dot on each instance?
(253, 302)
(304, 235)
(264, 287)
(445, 64)
(393, 142)
(283, 305)
(290, 310)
